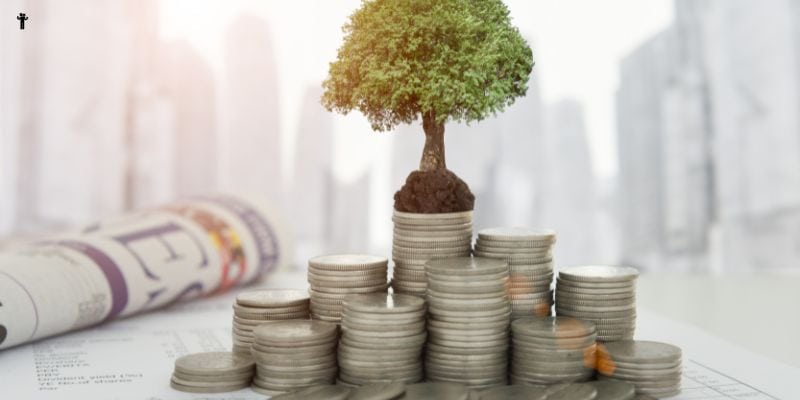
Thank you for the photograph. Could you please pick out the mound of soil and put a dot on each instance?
(432, 192)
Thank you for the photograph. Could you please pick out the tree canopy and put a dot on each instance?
(448, 60)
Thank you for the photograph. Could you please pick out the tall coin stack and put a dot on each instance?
(469, 315)
(290, 355)
(552, 350)
(255, 307)
(422, 237)
(603, 294)
(654, 368)
(530, 256)
(334, 277)
(383, 336)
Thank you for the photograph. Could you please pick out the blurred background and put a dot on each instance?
(663, 134)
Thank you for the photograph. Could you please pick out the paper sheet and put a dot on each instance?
(133, 359)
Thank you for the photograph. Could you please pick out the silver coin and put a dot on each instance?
(317, 392)
(641, 351)
(599, 273)
(472, 318)
(217, 363)
(208, 381)
(468, 332)
(295, 331)
(385, 344)
(514, 392)
(456, 226)
(559, 343)
(466, 266)
(460, 232)
(393, 319)
(552, 327)
(380, 391)
(413, 223)
(436, 391)
(594, 314)
(467, 287)
(432, 242)
(357, 273)
(517, 234)
(287, 386)
(382, 303)
(346, 291)
(572, 391)
(490, 304)
(348, 262)
(267, 298)
(469, 326)
(433, 275)
(475, 383)
(217, 389)
(631, 285)
(598, 309)
(444, 315)
(466, 296)
(620, 364)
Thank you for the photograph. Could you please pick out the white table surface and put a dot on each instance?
(760, 312)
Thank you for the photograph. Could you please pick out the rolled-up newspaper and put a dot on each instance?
(136, 263)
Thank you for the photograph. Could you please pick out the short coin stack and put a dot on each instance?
(290, 355)
(603, 294)
(529, 253)
(421, 237)
(383, 336)
(256, 307)
(468, 321)
(653, 368)
(548, 350)
(334, 277)
(213, 372)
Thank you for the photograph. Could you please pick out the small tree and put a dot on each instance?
(437, 60)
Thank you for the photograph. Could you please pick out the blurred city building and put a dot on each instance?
(709, 139)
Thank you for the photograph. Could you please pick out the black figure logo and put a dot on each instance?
(22, 18)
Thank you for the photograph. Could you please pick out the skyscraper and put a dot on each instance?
(251, 139)
(188, 83)
(569, 200)
(312, 184)
(74, 110)
(753, 63)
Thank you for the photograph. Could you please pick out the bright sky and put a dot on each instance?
(577, 45)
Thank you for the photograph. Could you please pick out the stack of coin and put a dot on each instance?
(468, 321)
(334, 277)
(213, 372)
(529, 253)
(422, 237)
(383, 336)
(255, 307)
(605, 295)
(547, 350)
(294, 354)
(653, 368)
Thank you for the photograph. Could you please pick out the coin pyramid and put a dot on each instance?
(334, 277)
(383, 336)
(290, 355)
(654, 368)
(529, 253)
(603, 294)
(547, 350)
(256, 307)
(469, 315)
(421, 237)
(212, 372)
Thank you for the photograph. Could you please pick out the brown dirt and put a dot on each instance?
(431, 192)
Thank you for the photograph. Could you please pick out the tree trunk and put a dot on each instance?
(433, 153)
